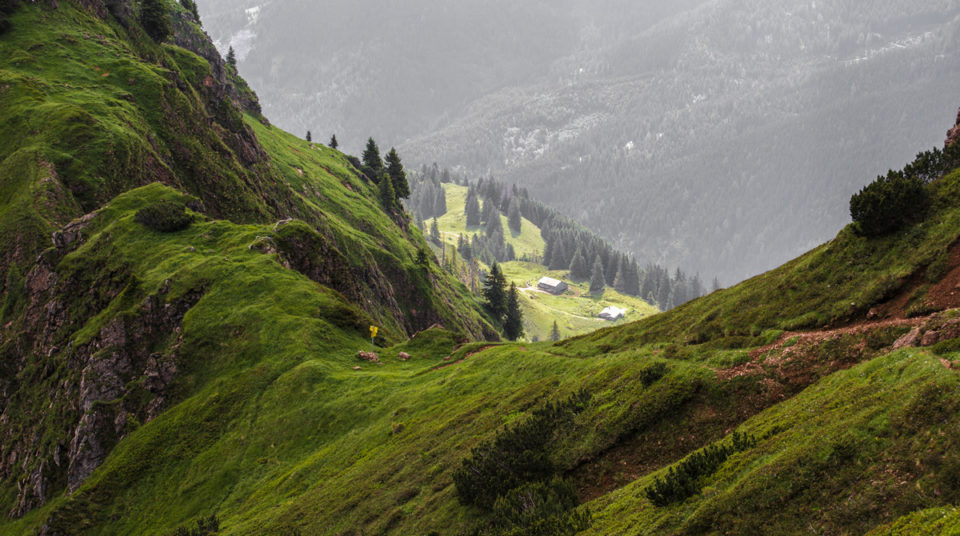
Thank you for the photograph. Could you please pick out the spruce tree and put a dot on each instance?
(632, 286)
(513, 321)
(578, 267)
(440, 202)
(597, 279)
(191, 7)
(398, 175)
(489, 211)
(558, 257)
(435, 231)
(514, 218)
(388, 197)
(155, 19)
(372, 165)
(333, 142)
(494, 225)
(472, 208)
(620, 282)
(309, 137)
(555, 332)
(495, 294)
(232, 58)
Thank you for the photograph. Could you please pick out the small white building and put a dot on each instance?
(551, 285)
(612, 313)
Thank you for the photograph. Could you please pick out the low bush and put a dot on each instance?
(888, 203)
(205, 526)
(684, 479)
(518, 455)
(164, 216)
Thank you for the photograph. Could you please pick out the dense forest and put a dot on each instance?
(569, 245)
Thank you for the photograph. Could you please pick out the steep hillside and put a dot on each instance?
(185, 352)
(191, 242)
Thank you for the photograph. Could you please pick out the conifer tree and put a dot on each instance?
(494, 293)
(597, 278)
(232, 58)
(494, 225)
(514, 219)
(472, 208)
(489, 211)
(388, 197)
(333, 142)
(620, 282)
(309, 137)
(513, 321)
(558, 257)
(435, 231)
(191, 6)
(632, 286)
(372, 165)
(555, 332)
(578, 266)
(440, 202)
(398, 175)
(155, 19)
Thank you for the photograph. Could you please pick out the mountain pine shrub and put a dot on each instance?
(517, 456)
(888, 203)
(164, 216)
(684, 479)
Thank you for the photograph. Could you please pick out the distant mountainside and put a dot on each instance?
(695, 136)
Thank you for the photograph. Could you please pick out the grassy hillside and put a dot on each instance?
(454, 223)
(290, 254)
(150, 378)
(575, 312)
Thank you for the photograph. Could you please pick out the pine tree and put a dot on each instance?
(191, 7)
(494, 225)
(398, 175)
(489, 211)
(578, 266)
(372, 165)
(435, 231)
(333, 142)
(155, 19)
(632, 286)
(513, 321)
(597, 279)
(388, 197)
(514, 219)
(495, 294)
(472, 208)
(555, 332)
(309, 137)
(440, 202)
(558, 258)
(232, 58)
(620, 281)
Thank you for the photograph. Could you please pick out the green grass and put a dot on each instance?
(575, 311)
(269, 425)
(834, 460)
(835, 283)
(454, 223)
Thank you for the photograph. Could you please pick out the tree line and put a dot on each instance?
(569, 245)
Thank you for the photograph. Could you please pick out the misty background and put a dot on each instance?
(723, 137)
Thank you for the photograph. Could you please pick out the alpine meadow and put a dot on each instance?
(392, 323)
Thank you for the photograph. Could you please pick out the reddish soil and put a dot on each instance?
(942, 295)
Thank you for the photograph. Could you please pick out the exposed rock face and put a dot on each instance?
(86, 394)
(953, 135)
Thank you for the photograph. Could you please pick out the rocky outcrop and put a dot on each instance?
(77, 396)
(953, 135)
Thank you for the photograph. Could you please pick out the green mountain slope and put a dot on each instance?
(289, 258)
(151, 378)
(575, 312)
